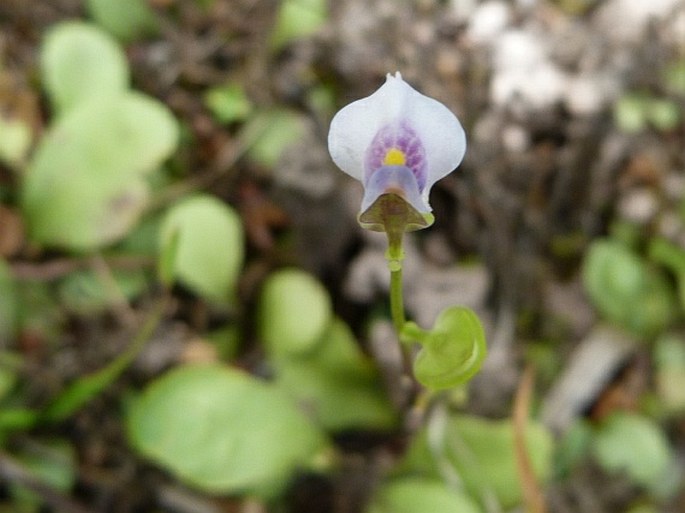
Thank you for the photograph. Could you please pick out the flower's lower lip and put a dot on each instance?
(397, 180)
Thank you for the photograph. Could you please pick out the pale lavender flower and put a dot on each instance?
(398, 143)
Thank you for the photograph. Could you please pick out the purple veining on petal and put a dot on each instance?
(400, 136)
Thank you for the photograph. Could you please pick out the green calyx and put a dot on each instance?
(391, 213)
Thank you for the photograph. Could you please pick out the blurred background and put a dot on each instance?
(167, 200)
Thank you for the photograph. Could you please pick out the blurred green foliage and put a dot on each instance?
(228, 103)
(419, 495)
(316, 358)
(297, 19)
(481, 453)
(637, 110)
(223, 431)
(85, 185)
(669, 358)
(637, 282)
(637, 446)
(628, 290)
(294, 312)
(8, 305)
(127, 20)
(52, 462)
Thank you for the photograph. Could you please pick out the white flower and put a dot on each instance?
(397, 142)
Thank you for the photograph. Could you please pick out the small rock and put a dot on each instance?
(673, 185)
(586, 94)
(670, 226)
(638, 206)
(626, 21)
(515, 138)
(438, 288)
(568, 302)
(488, 21)
(592, 364)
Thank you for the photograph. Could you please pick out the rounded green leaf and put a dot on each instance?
(85, 186)
(633, 444)
(294, 311)
(627, 290)
(297, 19)
(81, 62)
(228, 103)
(222, 431)
(669, 359)
(15, 141)
(453, 351)
(202, 246)
(664, 114)
(630, 112)
(419, 495)
(271, 133)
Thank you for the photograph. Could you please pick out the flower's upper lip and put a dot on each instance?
(355, 126)
(397, 117)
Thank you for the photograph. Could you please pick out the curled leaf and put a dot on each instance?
(453, 351)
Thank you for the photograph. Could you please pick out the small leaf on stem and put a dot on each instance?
(452, 351)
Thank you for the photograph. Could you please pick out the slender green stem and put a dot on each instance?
(395, 255)
(396, 301)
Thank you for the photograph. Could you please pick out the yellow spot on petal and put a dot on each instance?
(394, 157)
